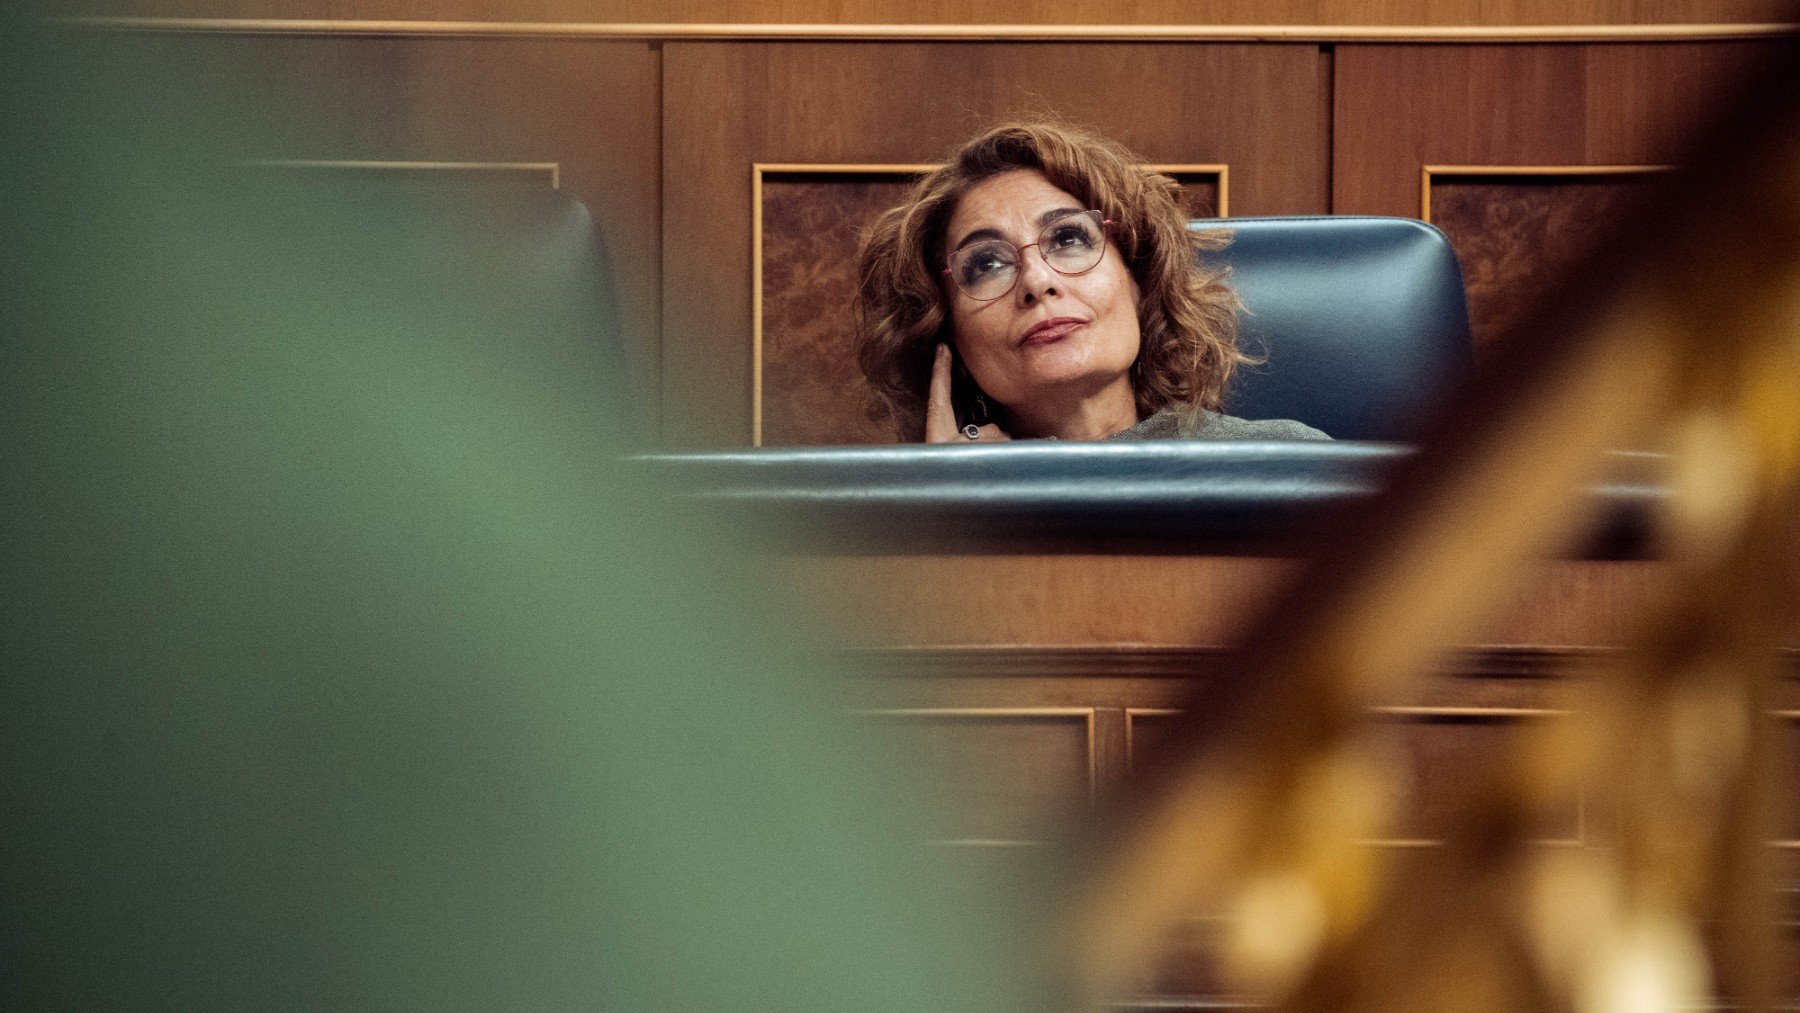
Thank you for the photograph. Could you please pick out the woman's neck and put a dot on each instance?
(1093, 416)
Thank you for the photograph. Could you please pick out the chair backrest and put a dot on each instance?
(534, 255)
(1358, 319)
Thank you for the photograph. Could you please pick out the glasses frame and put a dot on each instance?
(1019, 252)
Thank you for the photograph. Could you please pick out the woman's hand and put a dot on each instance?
(940, 414)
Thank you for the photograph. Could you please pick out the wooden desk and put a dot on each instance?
(1033, 681)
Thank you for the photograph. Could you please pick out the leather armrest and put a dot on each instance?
(1160, 497)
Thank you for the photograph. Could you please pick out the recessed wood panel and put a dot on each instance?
(1010, 775)
(1439, 757)
(729, 106)
(813, 226)
(1520, 235)
(1786, 741)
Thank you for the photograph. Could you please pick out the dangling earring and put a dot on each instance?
(979, 414)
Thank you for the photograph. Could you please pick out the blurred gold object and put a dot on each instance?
(1691, 344)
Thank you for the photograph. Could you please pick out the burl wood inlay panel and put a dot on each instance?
(813, 227)
(1519, 236)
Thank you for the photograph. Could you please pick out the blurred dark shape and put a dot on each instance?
(1680, 333)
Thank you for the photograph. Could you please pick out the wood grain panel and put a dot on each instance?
(1519, 235)
(588, 108)
(1074, 600)
(1400, 108)
(810, 390)
(1256, 12)
(1259, 109)
(812, 228)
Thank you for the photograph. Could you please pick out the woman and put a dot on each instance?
(1044, 284)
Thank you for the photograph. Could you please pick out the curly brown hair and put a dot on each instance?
(1187, 316)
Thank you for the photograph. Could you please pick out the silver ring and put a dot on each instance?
(972, 431)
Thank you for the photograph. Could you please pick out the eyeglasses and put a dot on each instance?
(1072, 244)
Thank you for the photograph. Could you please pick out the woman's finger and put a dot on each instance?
(940, 414)
(991, 433)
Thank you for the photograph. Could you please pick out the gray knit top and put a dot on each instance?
(1167, 425)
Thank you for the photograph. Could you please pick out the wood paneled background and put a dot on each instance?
(727, 107)
(733, 279)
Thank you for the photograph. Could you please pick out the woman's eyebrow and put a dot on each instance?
(1042, 220)
(979, 234)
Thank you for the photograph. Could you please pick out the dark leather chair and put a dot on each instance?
(1358, 319)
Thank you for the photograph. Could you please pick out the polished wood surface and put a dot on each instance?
(1252, 12)
(1520, 235)
(1001, 671)
(809, 387)
(1400, 108)
(1261, 110)
(964, 600)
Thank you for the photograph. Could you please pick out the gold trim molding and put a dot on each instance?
(758, 170)
(659, 32)
(1426, 172)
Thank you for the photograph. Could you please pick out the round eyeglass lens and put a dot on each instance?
(1070, 245)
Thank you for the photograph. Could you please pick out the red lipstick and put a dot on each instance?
(1046, 331)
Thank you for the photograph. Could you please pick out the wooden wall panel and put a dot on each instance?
(1437, 755)
(1252, 12)
(589, 107)
(728, 106)
(1400, 109)
(812, 226)
(1517, 235)
(1113, 600)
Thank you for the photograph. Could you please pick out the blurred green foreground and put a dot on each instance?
(343, 667)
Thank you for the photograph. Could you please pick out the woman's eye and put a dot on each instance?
(1067, 237)
(982, 264)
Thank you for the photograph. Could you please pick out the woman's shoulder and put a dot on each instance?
(1210, 425)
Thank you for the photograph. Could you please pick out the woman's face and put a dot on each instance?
(1054, 336)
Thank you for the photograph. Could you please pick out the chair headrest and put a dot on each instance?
(1359, 320)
